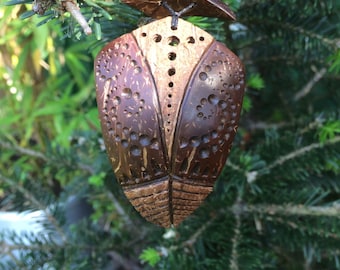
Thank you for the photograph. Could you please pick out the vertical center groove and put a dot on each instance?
(171, 210)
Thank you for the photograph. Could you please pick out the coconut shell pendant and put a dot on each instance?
(169, 103)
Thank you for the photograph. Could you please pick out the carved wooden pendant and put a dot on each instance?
(169, 104)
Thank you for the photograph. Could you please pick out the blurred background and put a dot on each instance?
(275, 206)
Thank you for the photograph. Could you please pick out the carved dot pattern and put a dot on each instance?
(124, 106)
(168, 124)
(217, 111)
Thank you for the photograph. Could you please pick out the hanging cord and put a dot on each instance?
(176, 14)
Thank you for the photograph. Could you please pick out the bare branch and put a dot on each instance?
(78, 16)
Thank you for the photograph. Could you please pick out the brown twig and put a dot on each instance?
(308, 87)
(74, 10)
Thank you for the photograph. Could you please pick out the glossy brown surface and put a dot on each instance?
(207, 8)
(169, 104)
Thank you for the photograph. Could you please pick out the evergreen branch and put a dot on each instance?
(5, 249)
(120, 209)
(283, 159)
(287, 59)
(237, 236)
(289, 210)
(78, 16)
(317, 123)
(9, 248)
(39, 155)
(251, 176)
(124, 262)
(193, 238)
(234, 166)
(305, 229)
(190, 242)
(23, 150)
(29, 196)
(252, 126)
(300, 152)
(308, 87)
(18, 187)
(264, 126)
(333, 43)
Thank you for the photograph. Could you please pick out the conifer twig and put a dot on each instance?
(124, 262)
(29, 196)
(303, 228)
(252, 126)
(264, 126)
(39, 155)
(294, 154)
(237, 235)
(23, 150)
(292, 210)
(193, 238)
(235, 241)
(190, 242)
(333, 43)
(6, 249)
(234, 166)
(120, 210)
(9, 248)
(300, 152)
(74, 10)
(308, 87)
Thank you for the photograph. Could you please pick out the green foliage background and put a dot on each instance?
(276, 204)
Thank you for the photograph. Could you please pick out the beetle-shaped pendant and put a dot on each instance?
(169, 103)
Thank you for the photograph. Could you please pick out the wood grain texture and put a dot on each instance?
(169, 104)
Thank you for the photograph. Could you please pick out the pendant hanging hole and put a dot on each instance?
(201, 38)
(174, 27)
(143, 34)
